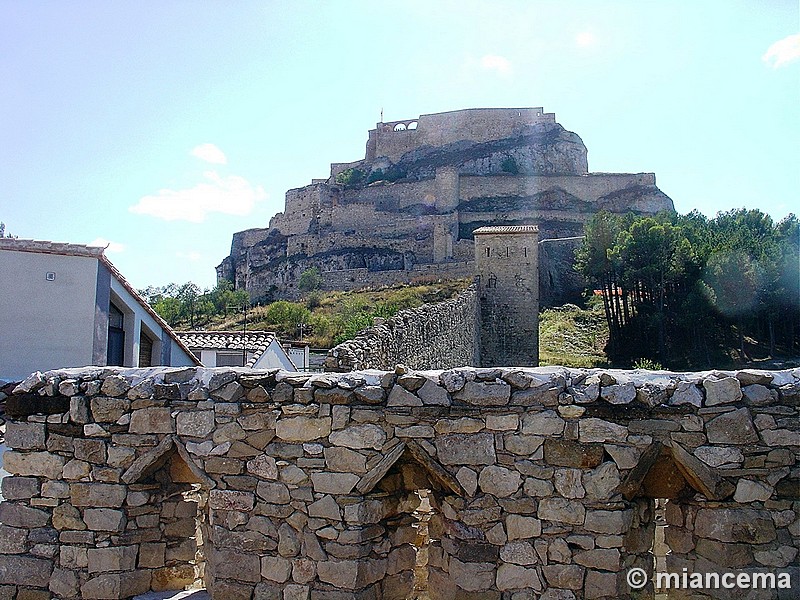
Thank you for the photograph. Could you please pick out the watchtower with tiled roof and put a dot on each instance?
(506, 263)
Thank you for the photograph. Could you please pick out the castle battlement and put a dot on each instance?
(392, 139)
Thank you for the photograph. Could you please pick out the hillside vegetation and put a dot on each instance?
(571, 336)
(323, 319)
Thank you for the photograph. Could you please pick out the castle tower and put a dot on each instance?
(506, 262)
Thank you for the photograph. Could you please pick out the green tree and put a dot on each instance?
(310, 280)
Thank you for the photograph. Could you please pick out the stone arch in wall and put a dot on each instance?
(168, 510)
(400, 127)
(410, 486)
(666, 486)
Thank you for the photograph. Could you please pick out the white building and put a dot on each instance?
(66, 305)
(254, 349)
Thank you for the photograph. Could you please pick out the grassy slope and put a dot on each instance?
(572, 336)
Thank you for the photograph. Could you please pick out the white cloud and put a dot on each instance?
(231, 195)
(210, 153)
(783, 51)
(493, 62)
(585, 38)
(109, 246)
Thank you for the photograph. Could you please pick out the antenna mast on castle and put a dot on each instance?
(381, 114)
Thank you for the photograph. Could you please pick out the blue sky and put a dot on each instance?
(164, 127)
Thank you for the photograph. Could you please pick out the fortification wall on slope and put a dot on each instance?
(432, 336)
(541, 482)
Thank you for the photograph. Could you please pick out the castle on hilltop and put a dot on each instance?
(409, 208)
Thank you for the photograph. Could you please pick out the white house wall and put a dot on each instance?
(45, 324)
(135, 317)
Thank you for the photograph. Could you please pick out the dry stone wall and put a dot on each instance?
(275, 485)
(432, 336)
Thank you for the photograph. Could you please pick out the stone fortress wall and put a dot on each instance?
(395, 138)
(272, 485)
(433, 336)
(444, 175)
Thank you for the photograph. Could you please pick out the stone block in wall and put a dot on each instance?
(473, 576)
(733, 556)
(735, 427)
(116, 585)
(64, 583)
(744, 525)
(104, 519)
(597, 430)
(104, 410)
(19, 488)
(229, 564)
(276, 568)
(499, 481)
(19, 515)
(36, 464)
(195, 423)
(599, 584)
(358, 437)
(722, 391)
(334, 483)
(520, 527)
(511, 577)
(608, 521)
(120, 558)
(345, 460)
(565, 577)
(151, 555)
(172, 578)
(465, 449)
(567, 453)
(27, 593)
(151, 420)
(99, 495)
(93, 451)
(562, 510)
(302, 429)
(13, 540)
(231, 500)
(484, 394)
(546, 423)
(25, 436)
(25, 570)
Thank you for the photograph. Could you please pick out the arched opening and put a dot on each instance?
(412, 125)
(663, 484)
(169, 509)
(412, 487)
(400, 127)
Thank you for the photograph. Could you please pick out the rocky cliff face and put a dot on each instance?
(541, 149)
(384, 220)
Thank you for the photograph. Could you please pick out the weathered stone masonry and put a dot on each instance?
(433, 336)
(274, 485)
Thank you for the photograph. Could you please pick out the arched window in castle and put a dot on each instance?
(492, 280)
(488, 251)
(400, 127)
(412, 125)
